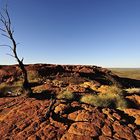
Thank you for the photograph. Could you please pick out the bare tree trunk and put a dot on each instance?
(26, 85)
(8, 32)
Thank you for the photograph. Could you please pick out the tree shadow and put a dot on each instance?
(34, 84)
(72, 109)
(47, 94)
(61, 119)
(64, 120)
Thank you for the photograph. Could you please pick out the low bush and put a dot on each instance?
(14, 89)
(65, 94)
(33, 76)
(133, 90)
(57, 83)
(112, 98)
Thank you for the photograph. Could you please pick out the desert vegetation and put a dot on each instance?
(66, 94)
(82, 106)
(133, 90)
(92, 92)
(68, 102)
(8, 90)
(111, 97)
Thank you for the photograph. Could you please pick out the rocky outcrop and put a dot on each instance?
(25, 118)
(22, 118)
(67, 73)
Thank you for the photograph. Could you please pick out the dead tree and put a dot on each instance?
(8, 32)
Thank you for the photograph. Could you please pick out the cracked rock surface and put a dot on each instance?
(22, 118)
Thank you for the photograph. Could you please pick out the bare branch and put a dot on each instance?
(7, 31)
(6, 36)
(10, 55)
(2, 17)
(7, 46)
(9, 21)
(2, 30)
(22, 59)
(3, 21)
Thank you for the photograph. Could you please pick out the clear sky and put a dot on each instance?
(96, 32)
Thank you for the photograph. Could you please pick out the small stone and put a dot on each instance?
(73, 115)
(104, 138)
(70, 136)
(60, 108)
(117, 116)
(84, 129)
(137, 134)
(132, 126)
(116, 136)
(83, 116)
(107, 131)
(123, 131)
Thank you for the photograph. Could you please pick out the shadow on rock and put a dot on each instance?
(126, 119)
(128, 83)
(44, 95)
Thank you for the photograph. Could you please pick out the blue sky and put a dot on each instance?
(96, 32)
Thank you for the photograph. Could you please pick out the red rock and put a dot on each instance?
(132, 126)
(83, 116)
(137, 134)
(23, 118)
(135, 98)
(107, 131)
(73, 115)
(123, 131)
(86, 70)
(69, 136)
(117, 116)
(116, 137)
(87, 107)
(76, 88)
(34, 137)
(84, 129)
(102, 137)
(108, 122)
(61, 108)
(135, 113)
(75, 104)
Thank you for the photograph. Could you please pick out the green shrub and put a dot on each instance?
(97, 100)
(33, 76)
(6, 89)
(121, 103)
(65, 94)
(112, 98)
(110, 89)
(57, 83)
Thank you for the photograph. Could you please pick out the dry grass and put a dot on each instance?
(133, 90)
(113, 97)
(90, 85)
(65, 94)
(104, 89)
(33, 76)
(14, 89)
(57, 83)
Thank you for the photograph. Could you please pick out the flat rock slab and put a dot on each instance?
(22, 118)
